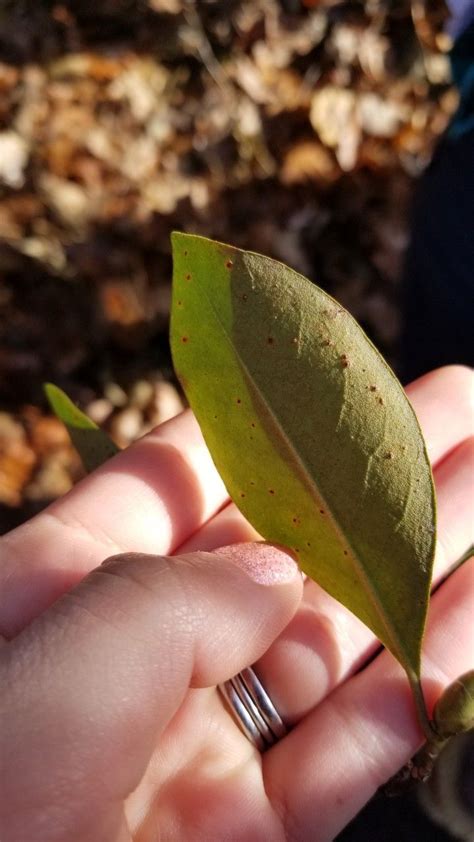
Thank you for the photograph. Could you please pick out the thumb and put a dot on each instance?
(92, 682)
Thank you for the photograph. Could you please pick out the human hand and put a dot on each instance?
(113, 729)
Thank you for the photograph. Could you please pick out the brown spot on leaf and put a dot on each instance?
(322, 512)
(253, 424)
(229, 264)
(345, 552)
(294, 341)
(252, 482)
(388, 455)
(296, 521)
(381, 401)
(242, 494)
(180, 303)
(271, 491)
(184, 339)
(238, 400)
(373, 388)
(270, 340)
(327, 343)
(244, 297)
(186, 253)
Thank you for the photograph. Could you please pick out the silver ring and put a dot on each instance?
(253, 710)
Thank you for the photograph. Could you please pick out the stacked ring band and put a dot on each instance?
(253, 709)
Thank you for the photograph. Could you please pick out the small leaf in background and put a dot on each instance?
(93, 445)
(454, 710)
(311, 431)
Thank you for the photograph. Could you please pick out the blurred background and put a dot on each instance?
(296, 128)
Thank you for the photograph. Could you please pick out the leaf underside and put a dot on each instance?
(93, 445)
(310, 430)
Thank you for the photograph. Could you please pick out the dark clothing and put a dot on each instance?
(438, 283)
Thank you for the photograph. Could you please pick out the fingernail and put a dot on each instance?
(266, 564)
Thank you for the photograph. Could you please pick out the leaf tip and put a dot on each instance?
(50, 391)
(56, 398)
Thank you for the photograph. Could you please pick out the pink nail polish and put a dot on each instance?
(266, 564)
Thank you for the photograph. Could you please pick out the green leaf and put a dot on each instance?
(454, 710)
(93, 445)
(311, 432)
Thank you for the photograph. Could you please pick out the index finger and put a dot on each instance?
(148, 499)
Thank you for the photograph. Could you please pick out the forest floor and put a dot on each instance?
(297, 129)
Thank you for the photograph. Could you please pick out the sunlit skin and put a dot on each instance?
(112, 727)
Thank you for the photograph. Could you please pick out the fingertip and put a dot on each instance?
(266, 564)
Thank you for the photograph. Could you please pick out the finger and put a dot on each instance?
(227, 527)
(323, 773)
(443, 402)
(99, 675)
(149, 498)
(454, 480)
